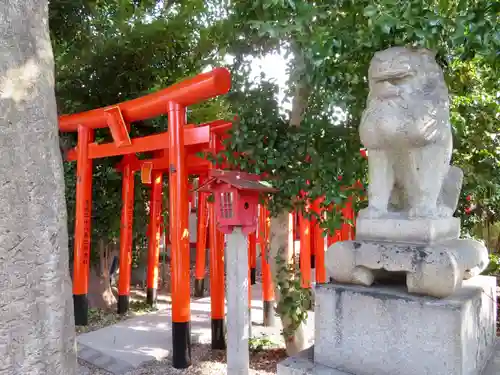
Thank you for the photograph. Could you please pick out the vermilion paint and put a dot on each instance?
(127, 217)
(319, 243)
(347, 229)
(179, 226)
(83, 212)
(305, 250)
(191, 91)
(155, 208)
(201, 239)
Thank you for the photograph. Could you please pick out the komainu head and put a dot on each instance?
(408, 100)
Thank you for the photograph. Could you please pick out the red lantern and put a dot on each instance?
(236, 199)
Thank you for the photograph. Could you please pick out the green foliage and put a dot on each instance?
(141, 307)
(494, 266)
(330, 45)
(316, 157)
(259, 344)
(475, 109)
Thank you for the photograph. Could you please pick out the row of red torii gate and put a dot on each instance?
(175, 154)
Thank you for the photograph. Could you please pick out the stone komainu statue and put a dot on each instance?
(408, 232)
(406, 129)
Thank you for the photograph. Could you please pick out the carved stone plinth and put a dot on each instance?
(435, 270)
(400, 229)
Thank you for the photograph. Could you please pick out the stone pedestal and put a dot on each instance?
(387, 331)
(435, 270)
(400, 229)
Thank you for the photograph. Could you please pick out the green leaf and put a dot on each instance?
(370, 11)
(386, 23)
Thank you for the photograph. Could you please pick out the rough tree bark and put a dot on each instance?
(278, 233)
(36, 307)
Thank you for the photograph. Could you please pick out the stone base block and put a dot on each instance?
(386, 331)
(400, 229)
(434, 270)
(303, 364)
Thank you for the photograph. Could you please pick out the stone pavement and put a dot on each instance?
(131, 343)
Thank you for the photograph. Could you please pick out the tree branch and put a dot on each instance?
(302, 88)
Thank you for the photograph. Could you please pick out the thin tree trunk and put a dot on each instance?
(36, 309)
(278, 233)
(279, 248)
(100, 292)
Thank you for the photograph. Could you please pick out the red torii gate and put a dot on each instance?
(151, 173)
(173, 102)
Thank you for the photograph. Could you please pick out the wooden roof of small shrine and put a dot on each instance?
(239, 180)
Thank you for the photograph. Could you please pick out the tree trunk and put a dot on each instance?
(279, 247)
(278, 233)
(100, 292)
(36, 307)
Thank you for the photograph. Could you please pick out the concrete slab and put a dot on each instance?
(130, 343)
(133, 342)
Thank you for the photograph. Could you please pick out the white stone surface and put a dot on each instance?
(303, 364)
(238, 320)
(493, 367)
(141, 339)
(382, 331)
(406, 130)
(435, 270)
(398, 229)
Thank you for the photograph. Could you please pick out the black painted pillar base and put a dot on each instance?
(123, 304)
(313, 261)
(81, 307)
(181, 344)
(253, 276)
(199, 287)
(151, 296)
(269, 317)
(218, 334)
